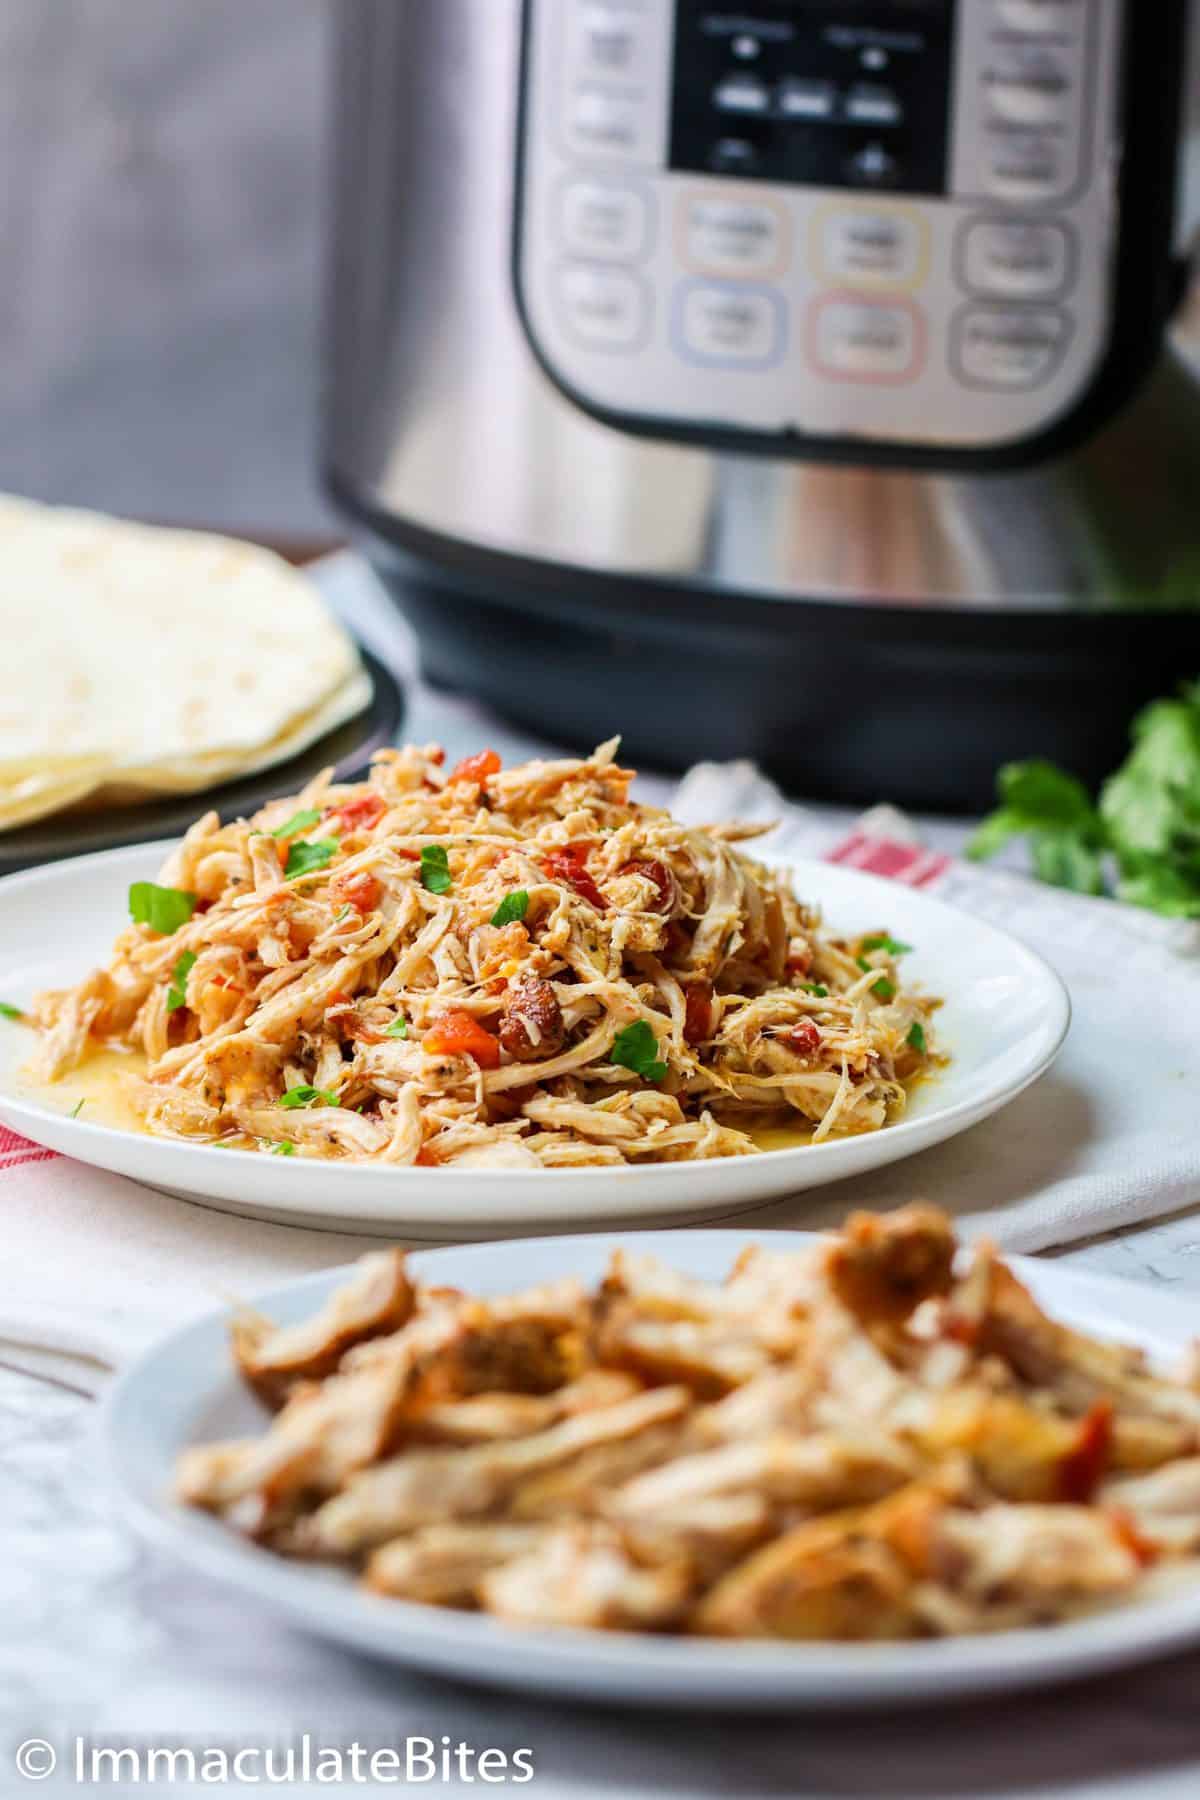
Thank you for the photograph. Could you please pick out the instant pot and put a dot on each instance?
(812, 381)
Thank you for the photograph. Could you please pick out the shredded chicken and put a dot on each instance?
(877, 1437)
(490, 968)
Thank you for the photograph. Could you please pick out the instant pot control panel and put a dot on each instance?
(891, 222)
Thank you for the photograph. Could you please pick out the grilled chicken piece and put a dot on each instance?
(1164, 1506)
(444, 1564)
(583, 1484)
(1020, 1453)
(881, 1266)
(816, 1473)
(1045, 1560)
(493, 1418)
(846, 1575)
(273, 1358)
(711, 1359)
(709, 1535)
(583, 1575)
(425, 1487)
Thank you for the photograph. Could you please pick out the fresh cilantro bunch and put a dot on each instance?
(1141, 843)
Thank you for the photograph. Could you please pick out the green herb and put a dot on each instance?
(163, 909)
(301, 821)
(78, 1108)
(397, 1029)
(284, 1147)
(883, 987)
(916, 1037)
(177, 992)
(636, 1048)
(512, 908)
(305, 858)
(343, 913)
(307, 1096)
(435, 869)
(815, 987)
(1141, 843)
(884, 942)
(8, 1011)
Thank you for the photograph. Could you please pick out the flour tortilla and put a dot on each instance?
(140, 661)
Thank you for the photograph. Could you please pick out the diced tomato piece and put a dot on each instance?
(804, 1038)
(1083, 1468)
(476, 768)
(360, 814)
(1126, 1532)
(660, 878)
(799, 965)
(569, 865)
(697, 1023)
(428, 1158)
(361, 891)
(436, 756)
(456, 1033)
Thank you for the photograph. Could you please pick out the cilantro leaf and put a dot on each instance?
(883, 987)
(397, 1029)
(636, 1048)
(884, 942)
(512, 908)
(9, 1011)
(435, 869)
(163, 909)
(177, 992)
(1164, 888)
(815, 987)
(77, 1108)
(916, 1037)
(1035, 796)
(284, 1147)
(1152, 804)
(307, 1096)
(300, 821)
(305, 858)
(1065, 859)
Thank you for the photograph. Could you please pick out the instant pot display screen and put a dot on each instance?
(853, 95)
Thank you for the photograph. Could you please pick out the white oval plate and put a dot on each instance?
(184, 1391)
(1004, 1020)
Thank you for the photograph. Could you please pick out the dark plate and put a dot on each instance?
(349, 748)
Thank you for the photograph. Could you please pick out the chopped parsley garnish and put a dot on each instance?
(305, 858)
(884, 942)
(177, 992)
(815, 987)
(916, 1037)
(301, 821)
(883, 986)
(398, 1028)
(307, 1096)
(78, 1108)
(163, 909)
(284, 1147)
(636, 1048)
(8, 1011)
(435, 869)
(512, 908)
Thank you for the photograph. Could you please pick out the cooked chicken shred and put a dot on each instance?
(518, 968)
(879, 1436)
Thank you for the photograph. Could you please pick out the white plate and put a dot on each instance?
(184, 1391)
(1005, 1017)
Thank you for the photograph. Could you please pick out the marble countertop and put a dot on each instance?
(103, 1638)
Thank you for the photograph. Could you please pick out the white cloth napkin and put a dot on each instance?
(97, 1266)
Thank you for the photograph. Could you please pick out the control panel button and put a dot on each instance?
(733, 156)
(859, 340)
(868, 104)
(1009, 347)
(1016, 259)
(1027, 166)
(883, 248)
(733, 237)
(1051, 16)
(872, 166)
(605, 124)
(603, 309)
(602, 219)
(742, 94)
(607, 39)
(801, 98)
(733, 326)
(1031, 88)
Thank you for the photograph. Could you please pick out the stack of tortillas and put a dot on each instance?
(139, 662)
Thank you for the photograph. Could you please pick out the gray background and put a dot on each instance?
(161, 204)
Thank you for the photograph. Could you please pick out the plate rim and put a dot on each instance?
(1052, 1036)
(642, 1669)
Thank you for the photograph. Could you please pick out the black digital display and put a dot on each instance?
(824, 93)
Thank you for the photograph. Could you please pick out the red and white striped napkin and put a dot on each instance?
(96, 1265)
